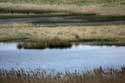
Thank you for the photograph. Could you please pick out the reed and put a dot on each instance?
(53, 43)
(98, 75)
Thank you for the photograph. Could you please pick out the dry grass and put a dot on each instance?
(96, 76)
(68, 33)
(47, 8)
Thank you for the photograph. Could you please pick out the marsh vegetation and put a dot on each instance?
(62, 36)
(41, 24)
(96, 76)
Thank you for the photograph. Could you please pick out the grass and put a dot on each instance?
(76, 2)
(63, 6)
(46, 1)
(10, 16)
(98, 75)
(53, 43)
(62, 36)
(110, 43)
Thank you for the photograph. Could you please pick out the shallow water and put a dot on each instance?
(81, 57)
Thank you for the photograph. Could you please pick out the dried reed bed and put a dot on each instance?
(96, 76)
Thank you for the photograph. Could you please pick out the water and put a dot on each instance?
(81, 57)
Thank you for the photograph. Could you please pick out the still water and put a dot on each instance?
(80, 57)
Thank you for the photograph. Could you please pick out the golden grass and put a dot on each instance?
(65, 33)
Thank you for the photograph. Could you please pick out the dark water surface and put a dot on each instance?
(81, 57)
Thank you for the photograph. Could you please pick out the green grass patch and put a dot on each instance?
(101, 42)
(111, 43)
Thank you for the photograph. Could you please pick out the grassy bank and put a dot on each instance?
(103, 7)
(107, 34)
(96, 76)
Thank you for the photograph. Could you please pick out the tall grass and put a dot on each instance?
(53, 43)
(96, 76)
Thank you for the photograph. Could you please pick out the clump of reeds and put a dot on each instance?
(53, 43)
(96, 76)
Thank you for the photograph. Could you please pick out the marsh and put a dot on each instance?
(62, 41)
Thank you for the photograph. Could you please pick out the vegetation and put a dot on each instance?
(32, 36)
(76, 2)
(63, 6)
(54, 43)
(96, 76)
(42, 37)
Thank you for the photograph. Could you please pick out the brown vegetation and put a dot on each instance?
(66, 33)
(96, 76)
(55, 8)
(39, 37)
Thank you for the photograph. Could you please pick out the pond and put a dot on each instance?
(78, 57)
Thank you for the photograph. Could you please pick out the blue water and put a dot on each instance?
(81, 57)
